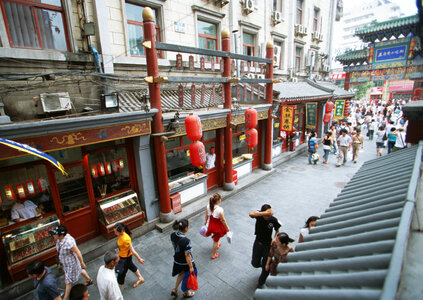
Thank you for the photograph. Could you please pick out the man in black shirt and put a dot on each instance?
(265, 223)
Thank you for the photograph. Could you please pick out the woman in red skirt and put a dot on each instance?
(217, 223)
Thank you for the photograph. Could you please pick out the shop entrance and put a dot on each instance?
(76, 209)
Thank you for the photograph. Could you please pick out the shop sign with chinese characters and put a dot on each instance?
(311, 112)
(339, 109)
(287, 118)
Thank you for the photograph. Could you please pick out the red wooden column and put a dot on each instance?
(347, 81)
(228, 185)
(166, 214)
(219, 156)
(267, 165)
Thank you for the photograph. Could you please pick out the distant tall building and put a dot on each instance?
(380, 10)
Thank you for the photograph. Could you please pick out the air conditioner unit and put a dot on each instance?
(326, 68)
(315, 35)
(55, 102)
(277, 56)
(298, 28)
(318, 77)
(248, 6)
(320, 37)
(250, 75)
(260, 76)
(276, 17)
(305, 31)
(294, 79)
(221, 2)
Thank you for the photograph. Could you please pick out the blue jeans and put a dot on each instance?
(390, 146)
(309, 157)
(184, 287)
(326, 155)
(335, 147)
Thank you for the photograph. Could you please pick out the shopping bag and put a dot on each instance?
(229, 237)
(192, 283)
(203, 230)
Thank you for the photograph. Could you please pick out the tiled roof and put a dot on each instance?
(337, 91)
(387, 25)
(131, 101)
(354, 55)
(357, 248)
(299, 91)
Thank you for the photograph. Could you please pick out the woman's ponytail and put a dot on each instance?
(213, 200)
(121, 227)
(180, 225)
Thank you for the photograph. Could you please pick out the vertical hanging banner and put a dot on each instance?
(311, 113)
(181, 95)
(242, 67)
(245, 92)
(214, 93)
(238, 92)
(339, 109)
(248, 66)
(252, 92)
(233, 68)
(203, 92)
(202, 64)
(212, 64)
(193, 95)
(287, 118)
(179, 65)
(191, 63)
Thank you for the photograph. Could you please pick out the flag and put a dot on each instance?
(33, 151)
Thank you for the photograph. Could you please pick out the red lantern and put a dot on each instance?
(108, 168)
(94, 172)
(42, 184)
(251, 137)
(329, 107)
(21, 191)
(327, 117)
(415, 98)
(197, 153)
(10, 193)
(251, 118)
(115, 165)
(101, 169)
(193, 127)
(417, 92)
(30, 187)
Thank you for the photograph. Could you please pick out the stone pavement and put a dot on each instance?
(295, 190)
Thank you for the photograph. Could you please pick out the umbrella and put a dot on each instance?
(33, 151)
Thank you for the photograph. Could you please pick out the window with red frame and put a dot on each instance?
(316, 20)
(207, 36)
(135, 28)
(299, 16)
(35, 24)
(248, 44)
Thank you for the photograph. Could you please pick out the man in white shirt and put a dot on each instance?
(106, 278)
(23, 210)
(400, 141)
(344, 142)
(210, 159)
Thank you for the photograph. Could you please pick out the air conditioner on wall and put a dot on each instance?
(276, 17)
(315, 35)
(55, 102)
(221, 2)
(260, 76)
(294, 79)
(248, 6)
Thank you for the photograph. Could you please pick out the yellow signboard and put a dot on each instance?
(287, 117)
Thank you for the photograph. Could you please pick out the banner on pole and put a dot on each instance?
(339, 109)
(311, 115)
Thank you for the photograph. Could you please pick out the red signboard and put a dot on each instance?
(193, 95)
(191, 63)
(202, 64)
(181, 95)
(176, 203)
(212, 64)
(179, 62)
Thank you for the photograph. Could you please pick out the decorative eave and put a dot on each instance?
(250, 25)
(354, 57)
(387, 29)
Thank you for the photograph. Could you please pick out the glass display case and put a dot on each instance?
(182, 181)
(117, 207)
(29, 240)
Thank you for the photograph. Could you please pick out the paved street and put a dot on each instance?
(296, 191)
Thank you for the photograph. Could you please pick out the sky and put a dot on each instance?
(408, 7)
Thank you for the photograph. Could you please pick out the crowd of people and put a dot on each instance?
(383, 122)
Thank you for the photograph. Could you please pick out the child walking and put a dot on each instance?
(217, 223)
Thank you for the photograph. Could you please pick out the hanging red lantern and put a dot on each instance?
(193, 127)
(101, 169)
(251, 138)
(329, 107)
(108, 168)
(10, 193)
(417, 92)
(94, 172)
(30, 187)
(197, 153)
(251, 118)
(20, 189)
(327, 117)
(415, 98)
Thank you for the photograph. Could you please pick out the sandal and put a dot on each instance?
(174, 293)
(215, 256)
(141, 281)
(189, 294)
(89, 282)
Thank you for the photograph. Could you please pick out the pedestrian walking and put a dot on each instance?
(372, 126)
(327, 146)
(344, 143)
(265, 224)
(400, 140)
(380, 140)
(392, 138)
(357, 144)
(79, 292)
(311, 222)
(279, 250)
(45, 283)
(334, 136)
(70, 258)
(183, 262)
(107, 284)
(126, 251)
(218, 226)
(312, 148)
